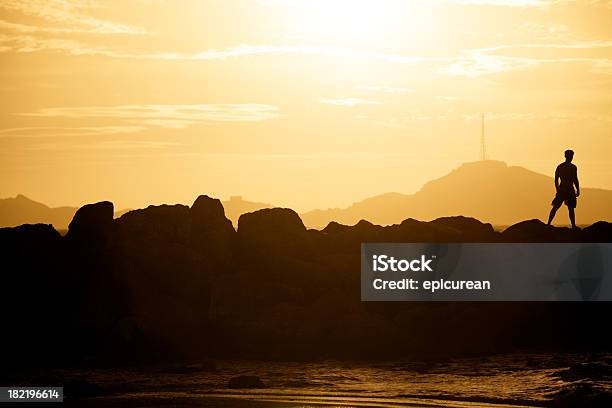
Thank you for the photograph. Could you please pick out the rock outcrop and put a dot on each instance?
(92, 221)
(32, 297)
(178, 281)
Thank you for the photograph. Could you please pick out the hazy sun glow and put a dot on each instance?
(299, 103)
(351, 20)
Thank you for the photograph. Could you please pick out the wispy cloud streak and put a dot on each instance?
(349, 102)
(167, 115)
(51, 131)
(69, 15)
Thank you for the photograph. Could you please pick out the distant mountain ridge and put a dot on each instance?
(22, 210)
(236, 206)
(488, 190)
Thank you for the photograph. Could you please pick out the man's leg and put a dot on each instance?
(572, 216)
(553, 211)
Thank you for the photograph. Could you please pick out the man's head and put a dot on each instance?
(569, 155)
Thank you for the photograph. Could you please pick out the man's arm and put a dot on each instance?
(557, 178)
(576, 182)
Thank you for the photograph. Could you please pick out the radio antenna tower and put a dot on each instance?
(483, 144)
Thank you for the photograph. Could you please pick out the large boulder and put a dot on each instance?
(34, 289)
(272, 231)
(271, 221)
(536, 231)
(168, 273)
(275, 262)
(335, 228)
(339, 238)
(470, 229)
(362, 228)
(35, 236)
(92, 221)
(209, 212)
(212, 234)
(156, 223)
(601, 231)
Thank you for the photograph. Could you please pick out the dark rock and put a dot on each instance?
(167, 257)
(166, 223)
(363, 229)
(36, 236)
(271, 221)
(601, 231)
(175, 282)
(212, 234)
(272, 230)
(91, 221)
(245, 381)
(365, 226)
(347, 239)
(33, 290)
(536, 231)
(335, 228)
(209, 212)
(471, 229)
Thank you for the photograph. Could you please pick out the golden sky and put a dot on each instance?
(307, 104)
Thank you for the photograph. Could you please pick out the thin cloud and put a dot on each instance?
(69, 15)
(349, 102)
(168, 116)
(51, 131)
(169, 123)
(26, 43)
(420, 116)
(492, 60)
(505, 3)
(472, 63)
(578, 50)
(29, 43)
(138, 118)
(508, 3)
(447, 98)
(108, 145)
(385, 89)
(476, 63)
(541, 116)
(405, 122)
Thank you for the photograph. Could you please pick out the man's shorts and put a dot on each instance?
(565, 196)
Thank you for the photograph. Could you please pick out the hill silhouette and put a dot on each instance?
(22, 210)
(172, 281)
(236, 206)
(489, 190)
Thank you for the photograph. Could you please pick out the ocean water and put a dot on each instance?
(504, 380)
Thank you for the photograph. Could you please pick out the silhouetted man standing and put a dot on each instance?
(568, 174)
